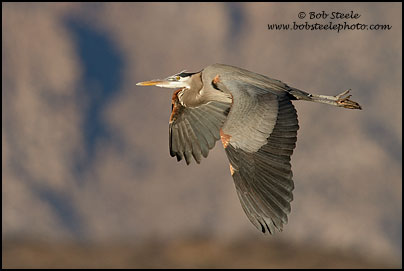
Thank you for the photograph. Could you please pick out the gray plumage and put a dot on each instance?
(253, 116)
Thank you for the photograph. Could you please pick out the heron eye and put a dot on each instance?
(177, 78)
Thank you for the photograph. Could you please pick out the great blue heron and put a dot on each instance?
(253, 116)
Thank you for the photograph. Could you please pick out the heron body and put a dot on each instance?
(255, 120)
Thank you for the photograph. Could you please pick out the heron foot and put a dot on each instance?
(343, 100)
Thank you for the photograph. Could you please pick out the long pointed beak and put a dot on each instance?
(150, 83)
(162, 83)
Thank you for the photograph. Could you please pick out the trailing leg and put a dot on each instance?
(340, 100)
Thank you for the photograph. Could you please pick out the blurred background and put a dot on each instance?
(87, 179)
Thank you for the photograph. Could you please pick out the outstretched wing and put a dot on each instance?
(259, 136)
(263, 177)
(195, 130)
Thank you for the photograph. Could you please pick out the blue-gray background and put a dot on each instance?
(85, 151)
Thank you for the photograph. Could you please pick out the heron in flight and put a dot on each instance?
(257, 123)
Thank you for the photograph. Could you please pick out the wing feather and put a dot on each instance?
(201, 136)
(263, 177)
(208, 124)
(194, 130)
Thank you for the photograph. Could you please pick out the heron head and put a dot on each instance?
(179, 80)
